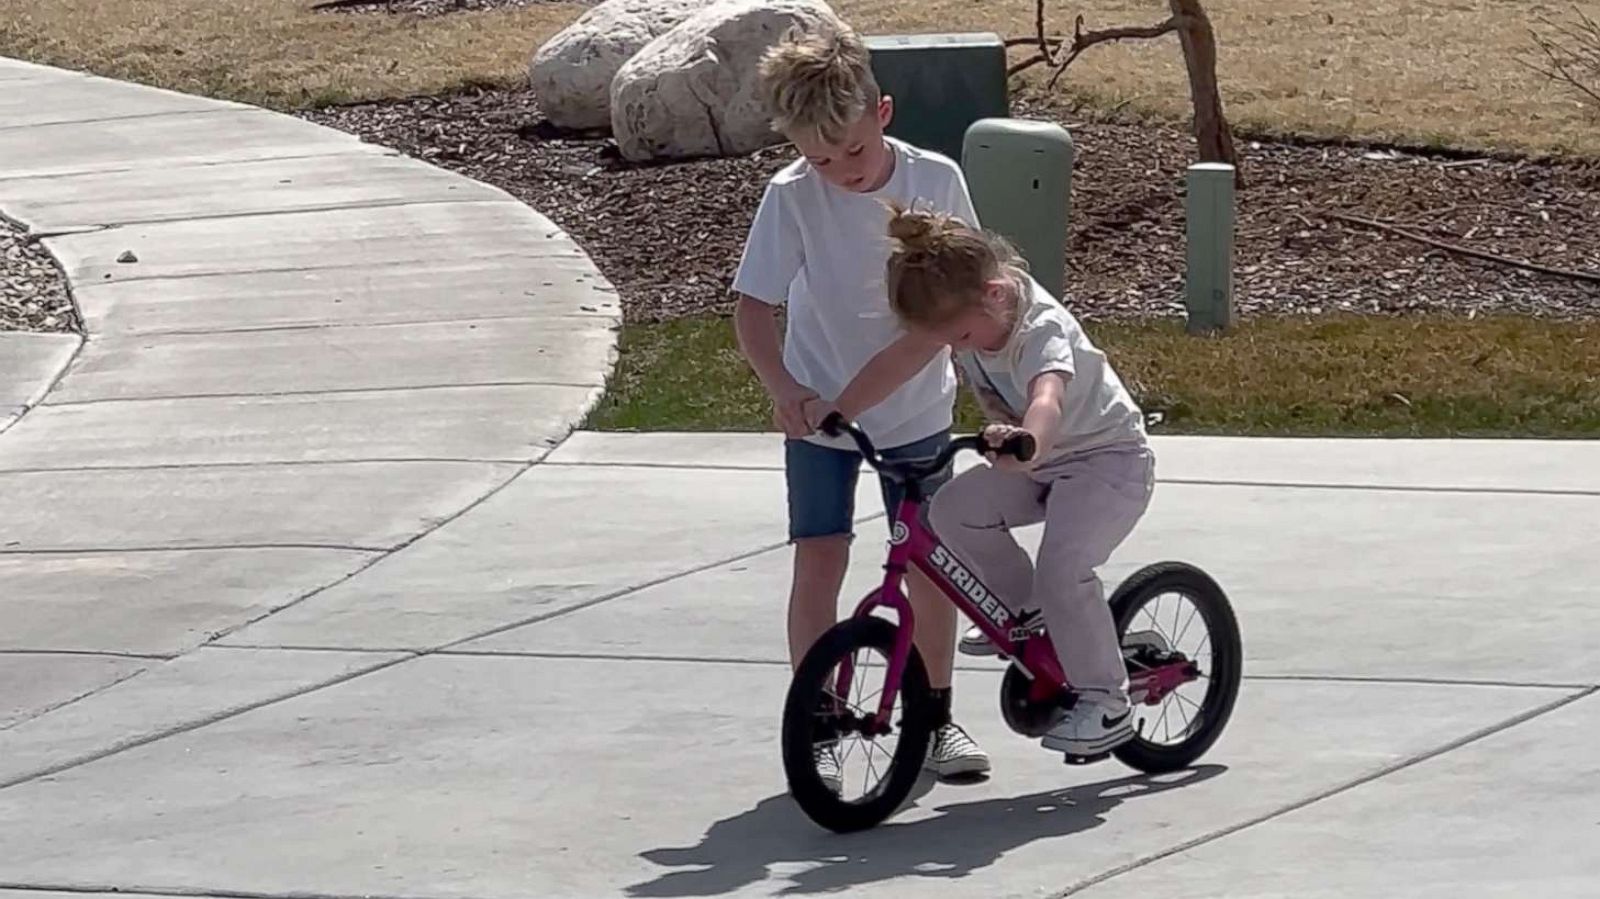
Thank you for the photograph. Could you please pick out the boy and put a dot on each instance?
(819, 245)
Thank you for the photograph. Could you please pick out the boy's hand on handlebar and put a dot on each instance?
(789, 410)
(995, 437)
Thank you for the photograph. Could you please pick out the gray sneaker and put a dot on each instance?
(1093, 726)
(954, 754)
(974, 643)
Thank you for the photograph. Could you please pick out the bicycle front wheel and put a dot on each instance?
(845, 776)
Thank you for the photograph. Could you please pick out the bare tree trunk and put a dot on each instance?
(1199, 42)
(1211, 130)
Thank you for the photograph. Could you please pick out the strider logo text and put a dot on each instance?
(969, 585)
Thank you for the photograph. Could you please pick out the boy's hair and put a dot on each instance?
(819, 82)
(939, 267)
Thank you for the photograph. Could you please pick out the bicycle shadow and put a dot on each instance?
(965, 837)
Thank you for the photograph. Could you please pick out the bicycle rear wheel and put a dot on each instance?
(877, 771)
(1165, 612)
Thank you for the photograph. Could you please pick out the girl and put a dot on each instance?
(1033, 369)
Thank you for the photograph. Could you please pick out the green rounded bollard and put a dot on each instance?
(1019, 172)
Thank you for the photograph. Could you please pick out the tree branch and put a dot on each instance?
(1199, 44)
(1038, 33)
(1083, 40)
(1576, 65)
(1591, 277)
(1032, 41)
(347, 4)
(1017, 68)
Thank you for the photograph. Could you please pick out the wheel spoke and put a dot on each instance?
(867, 702)
(1153, 612)
(1186, 626)
(1148, 616)
(1198, 708)
(1187, 721)
(1166, 732)
(845, 706)
(875, 746)
(838, 704)
(856, 670)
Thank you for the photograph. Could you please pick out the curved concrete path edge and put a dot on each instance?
(304, 352)
(30, 364)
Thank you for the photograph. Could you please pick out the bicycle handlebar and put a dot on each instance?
(1020, 447)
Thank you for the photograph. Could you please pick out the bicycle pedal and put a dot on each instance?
(1085, 759)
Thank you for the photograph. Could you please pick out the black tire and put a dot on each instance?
(801, 721)
(1227, 658)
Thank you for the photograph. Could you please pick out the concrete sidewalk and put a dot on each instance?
(303, 353)
(573, 690)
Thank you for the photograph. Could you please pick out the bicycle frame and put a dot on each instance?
(912, 543)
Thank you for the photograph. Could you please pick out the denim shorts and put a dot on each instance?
(822, 483)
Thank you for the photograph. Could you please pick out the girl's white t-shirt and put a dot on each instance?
(1097, 411)
(824, 252)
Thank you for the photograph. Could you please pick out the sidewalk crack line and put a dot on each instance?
(1315, 798)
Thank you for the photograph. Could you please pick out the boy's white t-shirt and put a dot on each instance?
(824, 251)
(1097, 412)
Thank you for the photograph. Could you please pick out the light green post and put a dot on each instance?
(1020, 174)
(1210, 292)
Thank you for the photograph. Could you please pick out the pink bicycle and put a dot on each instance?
(832, 700)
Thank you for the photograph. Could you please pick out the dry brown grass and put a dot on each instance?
(1440, 72)
(1430, 72)
(276, 52)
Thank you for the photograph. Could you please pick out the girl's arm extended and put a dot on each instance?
(1042, 420)
(881, 376)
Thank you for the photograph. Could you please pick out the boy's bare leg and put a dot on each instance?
(936, 628)
(819, 569)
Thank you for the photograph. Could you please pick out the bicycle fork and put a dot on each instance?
(893, 596)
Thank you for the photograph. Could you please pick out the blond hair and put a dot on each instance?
(939, 267)
(818, 83)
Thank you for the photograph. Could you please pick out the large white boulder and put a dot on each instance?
(693, 91)
(571, 74)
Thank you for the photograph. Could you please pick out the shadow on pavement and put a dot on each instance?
(964, 837)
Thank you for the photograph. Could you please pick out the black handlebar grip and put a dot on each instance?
(1019, 446)
(833, 425)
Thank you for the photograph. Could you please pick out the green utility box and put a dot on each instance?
(1019, 172)
(941, 83)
